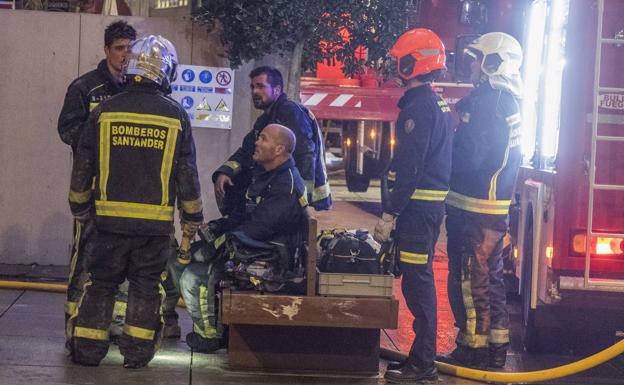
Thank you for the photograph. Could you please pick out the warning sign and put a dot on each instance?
(206, 94)
(204, 106)
(222, 106)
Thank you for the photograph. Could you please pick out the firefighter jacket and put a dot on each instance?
(421, 166)
(139, 147)
(309, 154)
(275, 204)
(83, 95)
(486, 153)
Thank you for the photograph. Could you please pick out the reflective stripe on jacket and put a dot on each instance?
(486, 152)
(140, 148)
(420, 169)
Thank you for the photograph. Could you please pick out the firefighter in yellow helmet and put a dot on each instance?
(486, 158)
(420, 171)
(139, 147)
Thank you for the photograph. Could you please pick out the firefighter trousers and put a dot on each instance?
(170, 284)
(199, 286)
(84, 234)
(140, 259)
(476, 287)
(417, 229)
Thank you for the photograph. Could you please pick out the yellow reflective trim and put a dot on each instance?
(192, 207)
(499, 336)
(392, 176)
(413, 258)
(471, 314)
(79, 197)
(134, 210)
(138, 332)
(303, 201)
(184, 261)
(197, 329)
(149, 119)
(219, 241)
(74, 256)
(470, 337)
(429, 195)
(167, 164)
(483, 206)
(235, 166)
(321, 192)
(71, 307)
(475, 341)
(92, 106)
(174, 125)
(120, 309)
(163, 296)
(207, 331)
(105, 131)
(492, 192)
(91, 334)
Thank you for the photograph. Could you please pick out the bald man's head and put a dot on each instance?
(274, 145)
(284, 136)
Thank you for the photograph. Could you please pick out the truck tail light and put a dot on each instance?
(604, 246)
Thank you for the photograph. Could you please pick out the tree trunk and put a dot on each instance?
(294, 72)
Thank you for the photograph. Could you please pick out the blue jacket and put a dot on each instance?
(421, 166)
(309, 154)
(486, 153)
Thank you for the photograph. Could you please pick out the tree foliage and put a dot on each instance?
(250, 29)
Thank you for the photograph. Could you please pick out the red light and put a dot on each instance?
(598, 245)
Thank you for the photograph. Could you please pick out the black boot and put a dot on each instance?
(396, 365)
(497, 356)
(130, 364)
(203, 345)
(466, 357)
(412, 373)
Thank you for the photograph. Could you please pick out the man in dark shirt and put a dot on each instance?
(83, 95)
(274, 209)
(234, 176)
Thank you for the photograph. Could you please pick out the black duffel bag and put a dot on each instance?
(350, 252)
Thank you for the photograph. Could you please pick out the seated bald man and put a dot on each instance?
(275, 206)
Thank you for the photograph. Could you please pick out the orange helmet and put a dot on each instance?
(418, 52)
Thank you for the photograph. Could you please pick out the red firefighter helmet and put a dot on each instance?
(418, 52)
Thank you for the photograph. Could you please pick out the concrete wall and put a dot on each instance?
(42, 53)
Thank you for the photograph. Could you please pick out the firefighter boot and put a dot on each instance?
(412, 373)
(172, 331)
(129, 364)
(466, 357)
(200, 344)
(396, 365)
(497, 355)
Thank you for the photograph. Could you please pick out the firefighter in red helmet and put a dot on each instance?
(414, 208)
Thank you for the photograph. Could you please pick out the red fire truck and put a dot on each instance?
(566, 260)
(569, 243)
(362, 112)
